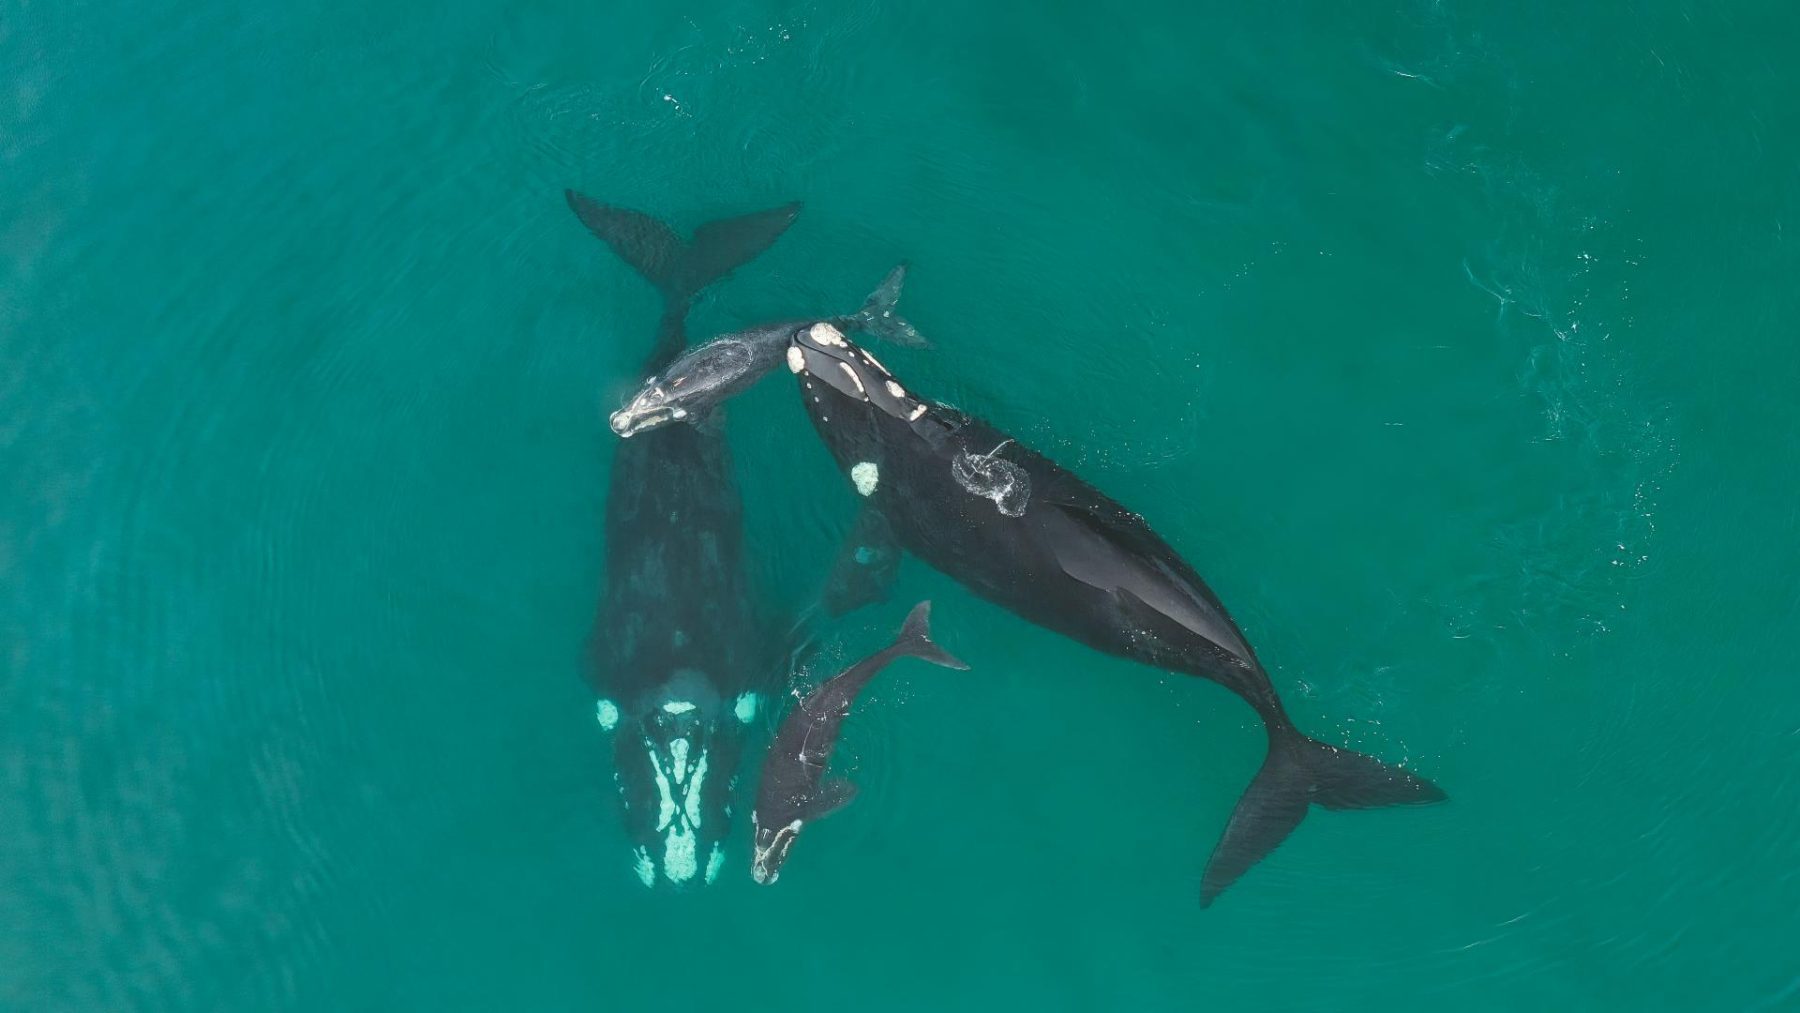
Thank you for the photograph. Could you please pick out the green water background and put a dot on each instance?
(1453, 342)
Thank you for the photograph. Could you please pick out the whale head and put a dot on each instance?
(675, 757)
(693, 385)
(771, 846)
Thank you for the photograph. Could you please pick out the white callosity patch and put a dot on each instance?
(866, 476)
(665, 794)
(644, 867)
(796, 359)
(917, 412)
(607, 713)
(714, 863)
(857, 380)
(680, 861)
(745, 708)
(679, 800)
(677, 707)
(824, 334)
(895, 389)
(694, 790)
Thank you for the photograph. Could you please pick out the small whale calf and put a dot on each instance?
(794, 787)
(712, 373)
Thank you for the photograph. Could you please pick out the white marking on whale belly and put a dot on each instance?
(607, 713)
(866, 475)
(645, 868)
(796, 359)
(746, 707)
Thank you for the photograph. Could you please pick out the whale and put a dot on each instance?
(1027, 534)
(690, 386)
(679, 657)
(794, 789)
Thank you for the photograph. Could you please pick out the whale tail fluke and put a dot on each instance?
(1299, 772)
(915, 640)
(681, 268)
(880, 317)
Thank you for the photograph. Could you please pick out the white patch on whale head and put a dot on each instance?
(778, 848)
(851, 373)
(677, 707)
(644, 867)
(714, 863)
(694, 790)
(745, 708)
(679, 749)
(679, 860)
(607, 713)
(796, 359)
(866, 476)
(895, 389)
(665, 794)
(917, 412)
(825, 334)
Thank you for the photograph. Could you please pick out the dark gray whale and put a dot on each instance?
(678, 655)
(1027, 534)
(686, 389)
(794, 787)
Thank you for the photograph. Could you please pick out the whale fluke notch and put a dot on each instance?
(1299, 772)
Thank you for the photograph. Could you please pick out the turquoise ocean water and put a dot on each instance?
(1453, 342)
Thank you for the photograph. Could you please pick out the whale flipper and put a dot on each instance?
(866, 565)
(834, 794)
(879, 314)
(1297, 773)
(681, 269)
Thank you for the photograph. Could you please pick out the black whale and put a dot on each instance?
(1019, 530)
(679, 655)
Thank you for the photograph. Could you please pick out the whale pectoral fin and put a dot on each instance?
(1117, 552)
(834, 794)
(866, 565)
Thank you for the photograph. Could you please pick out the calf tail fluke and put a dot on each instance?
(915, 639)
(1297, 773)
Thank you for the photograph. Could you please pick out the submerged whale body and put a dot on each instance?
(1027, 534)
(679, 658)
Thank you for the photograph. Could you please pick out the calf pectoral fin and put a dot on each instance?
(834, 794)
(866, 566)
